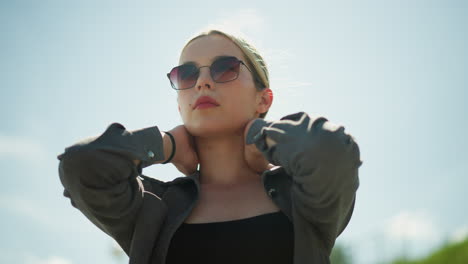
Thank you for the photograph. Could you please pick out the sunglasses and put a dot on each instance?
(223, 69)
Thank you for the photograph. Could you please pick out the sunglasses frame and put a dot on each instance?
(211, 75)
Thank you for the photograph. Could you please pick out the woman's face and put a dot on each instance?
(238, 100)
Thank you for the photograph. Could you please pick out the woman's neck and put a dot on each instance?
(222, 161)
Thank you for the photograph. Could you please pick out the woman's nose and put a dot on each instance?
(204, 79)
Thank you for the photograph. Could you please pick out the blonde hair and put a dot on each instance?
(254, 60)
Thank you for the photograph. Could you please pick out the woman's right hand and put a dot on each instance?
(185, 158)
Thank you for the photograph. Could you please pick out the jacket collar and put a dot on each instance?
(196, 175)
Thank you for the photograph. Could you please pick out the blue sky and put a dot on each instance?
(394, 74)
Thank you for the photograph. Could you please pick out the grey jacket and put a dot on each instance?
(314, 183)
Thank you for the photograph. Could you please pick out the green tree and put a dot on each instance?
(452, 253)
(341, 255)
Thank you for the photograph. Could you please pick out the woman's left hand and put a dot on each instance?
(254, 158)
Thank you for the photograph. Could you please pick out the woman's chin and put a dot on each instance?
(214, 129)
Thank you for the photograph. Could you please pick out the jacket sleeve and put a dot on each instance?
(323, 161)
(102, 181)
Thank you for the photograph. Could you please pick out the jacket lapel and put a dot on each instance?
(180, 198)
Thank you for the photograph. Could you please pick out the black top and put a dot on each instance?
(266, 238)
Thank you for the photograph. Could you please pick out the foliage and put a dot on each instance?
(455, 253)
(341, 255)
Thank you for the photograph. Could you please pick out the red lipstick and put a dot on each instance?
(205, 102)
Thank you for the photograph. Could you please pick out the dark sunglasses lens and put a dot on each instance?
(225, 69)
(184, 76)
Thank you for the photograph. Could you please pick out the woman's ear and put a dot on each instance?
(265, 99)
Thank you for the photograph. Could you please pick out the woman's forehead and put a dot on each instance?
(204, 50)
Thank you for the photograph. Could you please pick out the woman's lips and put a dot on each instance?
(205, 102)
(205, 105)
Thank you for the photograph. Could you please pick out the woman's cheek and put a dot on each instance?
(183, 105)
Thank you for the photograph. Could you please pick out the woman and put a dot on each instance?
(265, 192)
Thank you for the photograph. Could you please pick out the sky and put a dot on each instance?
(393, 73)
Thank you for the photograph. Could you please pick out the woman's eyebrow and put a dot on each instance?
(188, 62)
(214, 59)
(223, 57)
